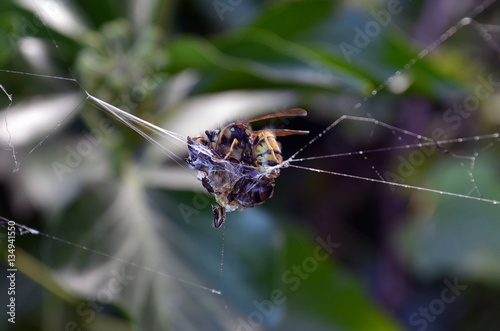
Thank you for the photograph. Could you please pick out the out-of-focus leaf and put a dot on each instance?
(132, 257)
(31, 120)
(287, 19)
(333, 295)
(446, 236)
(263, 55)
(258, 60)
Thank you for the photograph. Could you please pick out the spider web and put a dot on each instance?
(172, 144)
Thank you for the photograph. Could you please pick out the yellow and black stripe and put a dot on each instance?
(267, 149)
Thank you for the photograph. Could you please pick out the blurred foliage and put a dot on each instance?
(137, 226)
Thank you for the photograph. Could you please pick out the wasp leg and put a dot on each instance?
(219, 215)
(233, 144)
(270, 147)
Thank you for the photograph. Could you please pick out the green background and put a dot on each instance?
(189, 66)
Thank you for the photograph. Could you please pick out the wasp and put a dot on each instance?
(239, 165)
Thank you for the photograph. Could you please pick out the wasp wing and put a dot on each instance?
(280, 132)
(281, 113)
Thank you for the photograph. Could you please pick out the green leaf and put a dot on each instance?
(447, 236)
(324, 290)
(289, 18)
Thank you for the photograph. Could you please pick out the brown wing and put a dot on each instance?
(280, 132)
(281, 113)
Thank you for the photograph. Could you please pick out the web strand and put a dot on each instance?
(11, 146)
(133, 122)
(458, 195)
(23, 230)
(466, 20)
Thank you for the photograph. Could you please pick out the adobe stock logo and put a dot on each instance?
(85, 147)
(486, 88)
(89, 309)
(292, 278)
(436, 307)
(363, 38)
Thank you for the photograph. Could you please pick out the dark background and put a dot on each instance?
(189, 66)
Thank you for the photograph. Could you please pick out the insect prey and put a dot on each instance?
(239, 165)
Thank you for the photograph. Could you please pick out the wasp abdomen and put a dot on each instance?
(267, 150)
(249, 193)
